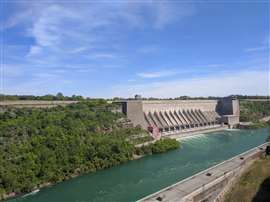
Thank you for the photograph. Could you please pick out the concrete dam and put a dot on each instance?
(168, 117)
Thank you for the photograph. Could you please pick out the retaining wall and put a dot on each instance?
(210, 184)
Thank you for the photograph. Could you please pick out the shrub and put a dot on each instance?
(164, 145)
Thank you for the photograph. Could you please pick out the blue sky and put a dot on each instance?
(121, 48)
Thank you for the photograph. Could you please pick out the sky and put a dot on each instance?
(122, 48)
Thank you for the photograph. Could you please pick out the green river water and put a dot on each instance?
(136, 179)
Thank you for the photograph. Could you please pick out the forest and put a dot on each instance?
(44, 146)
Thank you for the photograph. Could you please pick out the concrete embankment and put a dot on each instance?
(210, 184)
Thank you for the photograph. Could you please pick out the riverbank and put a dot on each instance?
(253, 185)
(253, 125)
(159, 146)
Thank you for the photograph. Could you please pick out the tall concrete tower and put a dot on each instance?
(229, 109)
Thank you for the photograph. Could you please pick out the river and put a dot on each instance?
(136, 179)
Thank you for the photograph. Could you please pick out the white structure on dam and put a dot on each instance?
(176, 116)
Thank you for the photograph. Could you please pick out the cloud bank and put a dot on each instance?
(246, 82)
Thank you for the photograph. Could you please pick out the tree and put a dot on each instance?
(60, 96)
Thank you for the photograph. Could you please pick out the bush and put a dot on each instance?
(159, 146)
(144, 150)
(164, 145)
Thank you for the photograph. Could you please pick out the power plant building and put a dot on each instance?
(176, 116)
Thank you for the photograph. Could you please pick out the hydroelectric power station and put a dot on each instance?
(168, 117)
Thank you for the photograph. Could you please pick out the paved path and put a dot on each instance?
(266, 119)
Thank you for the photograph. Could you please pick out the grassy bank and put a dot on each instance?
(253, 185)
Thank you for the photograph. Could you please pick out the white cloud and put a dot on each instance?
(264, 45)
(17, 18)
(259, 48)
(192, 70)
(86, 33)
(214, 65)
(73, 28)
(167, 13)
(245, 82)
(148, 49)
(34, 50)
(45, 76)
(78, 50)
(158, 74)
(103, 55)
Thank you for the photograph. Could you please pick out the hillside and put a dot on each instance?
(253, 111)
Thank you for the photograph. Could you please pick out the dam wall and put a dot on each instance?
(172, 105)
(168, 117)
(209, 185)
